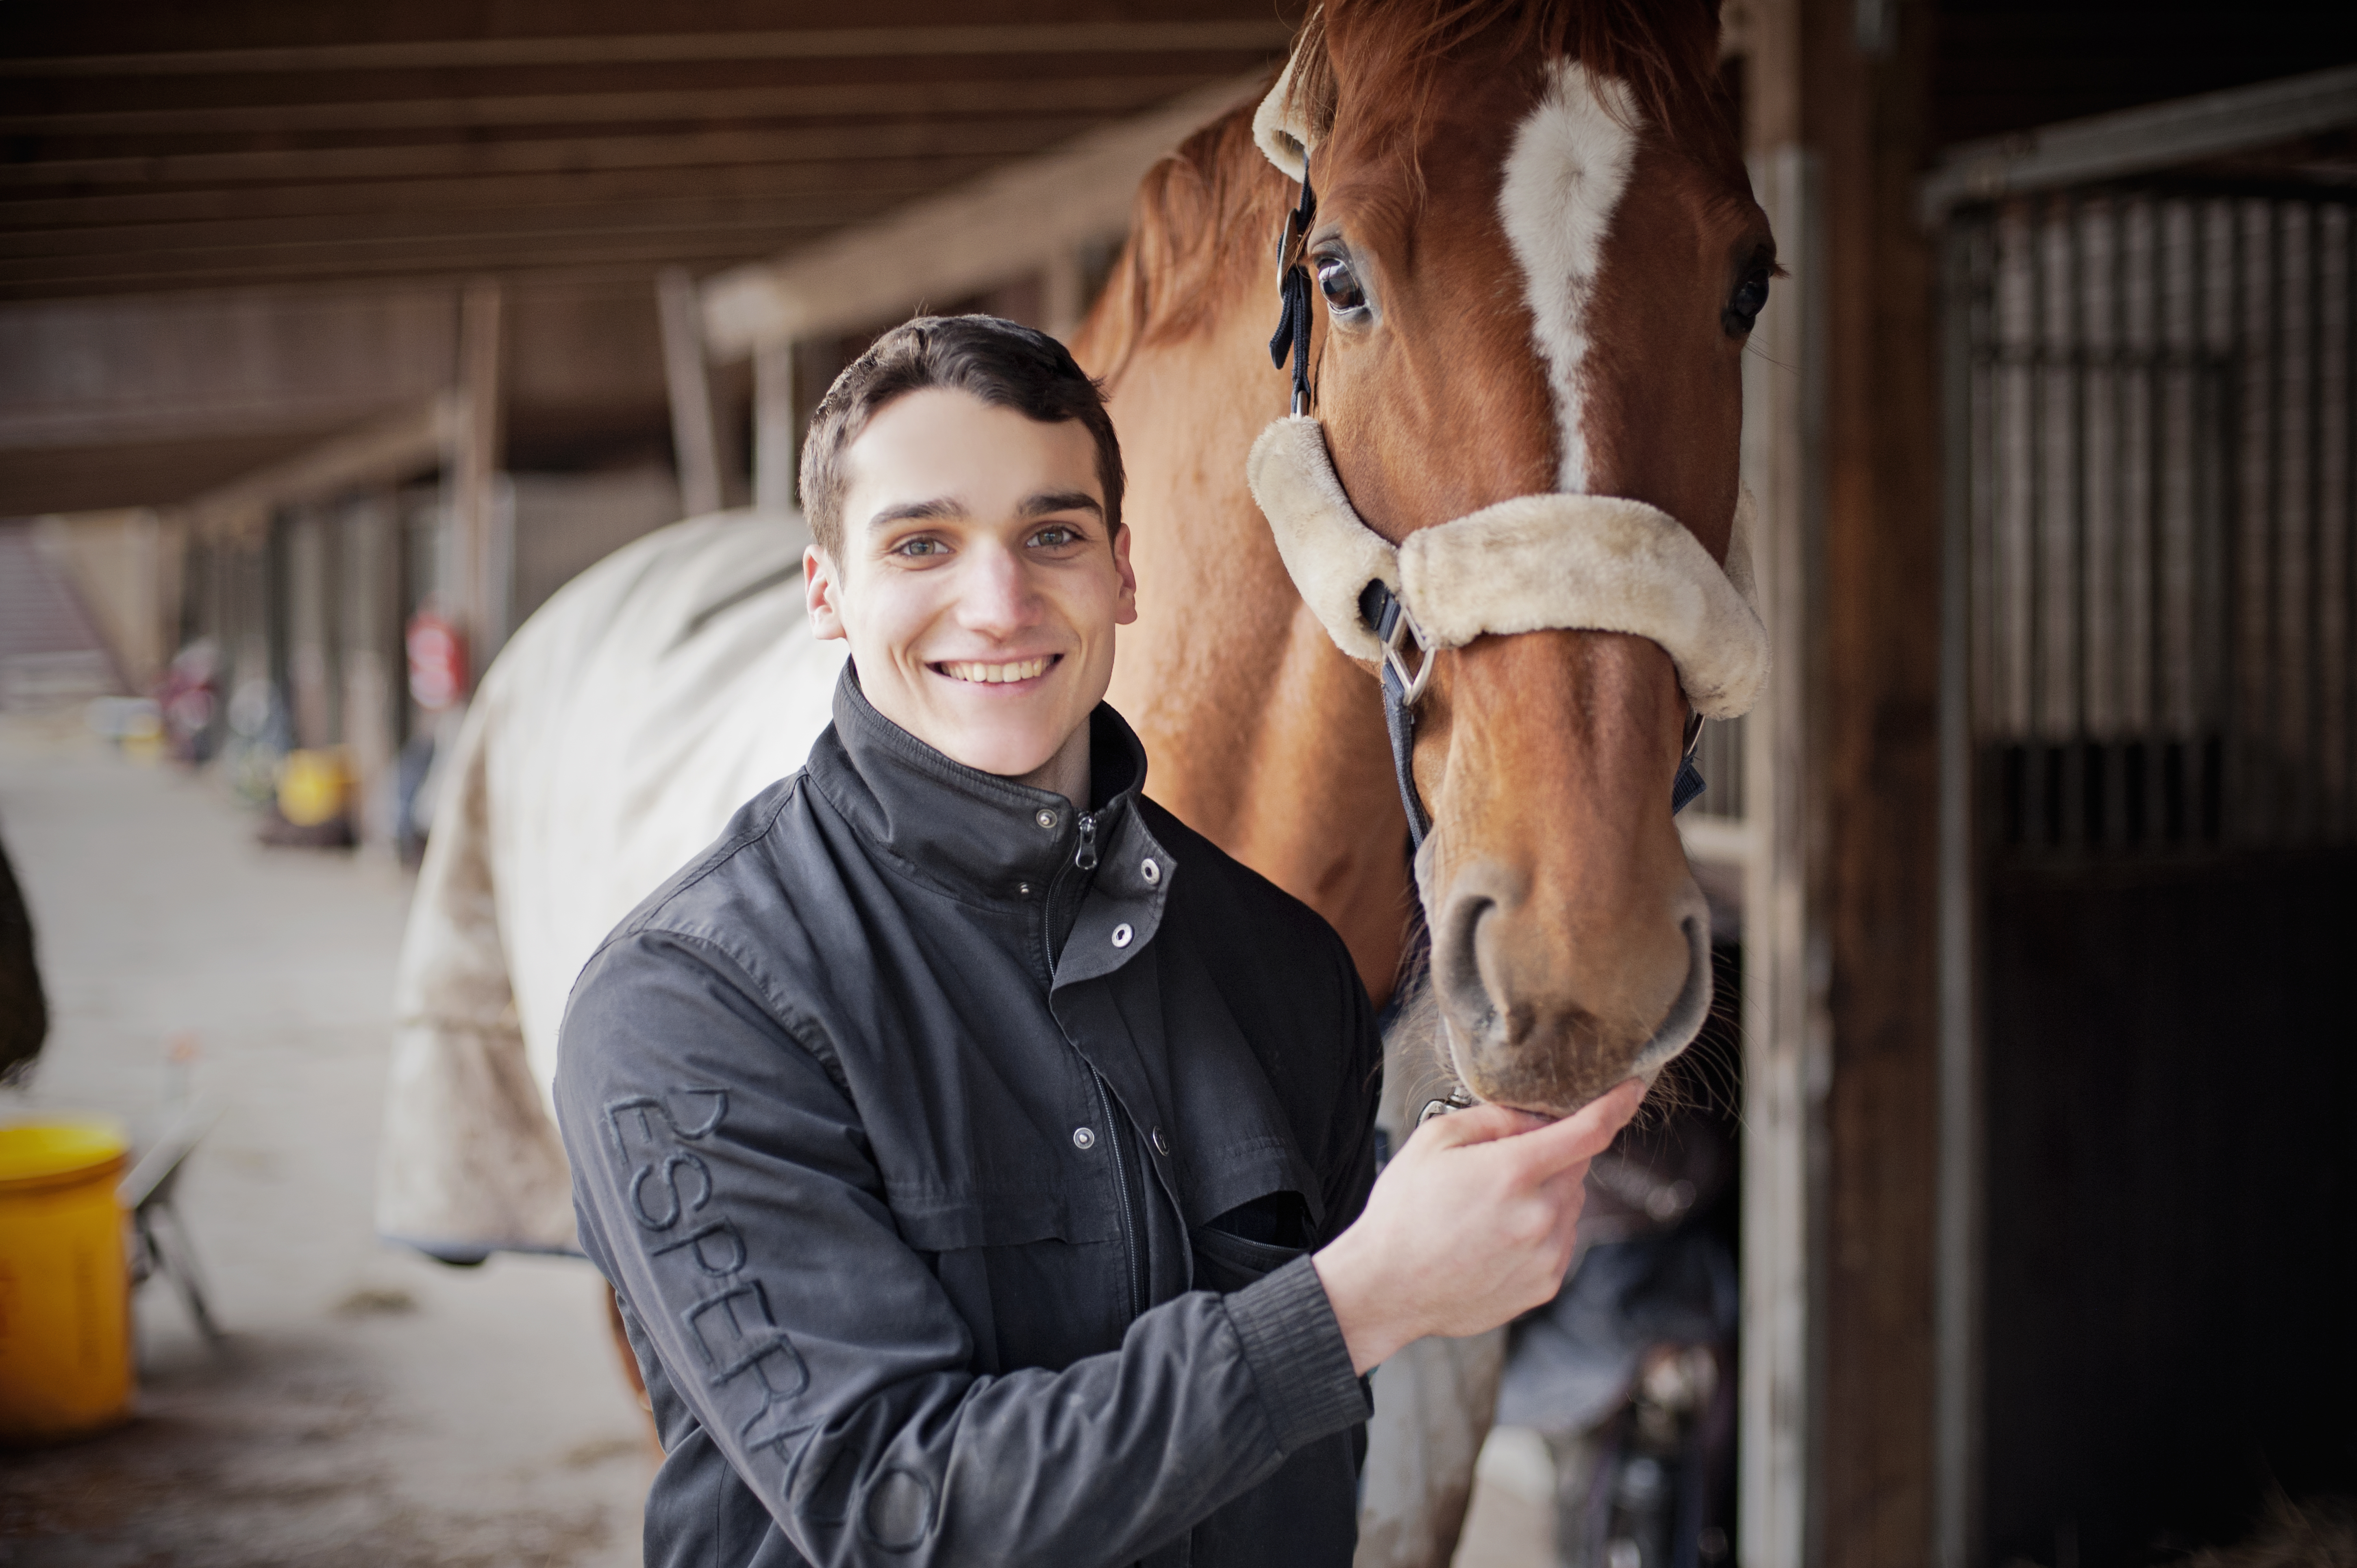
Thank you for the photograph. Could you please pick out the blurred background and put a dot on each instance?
(333, 340)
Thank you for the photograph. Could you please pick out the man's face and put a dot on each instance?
(978, 584)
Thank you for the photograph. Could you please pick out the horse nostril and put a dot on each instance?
(1457, 965)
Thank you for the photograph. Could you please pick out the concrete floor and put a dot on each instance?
(369, 1406)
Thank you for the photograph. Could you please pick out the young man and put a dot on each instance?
(982, 1160)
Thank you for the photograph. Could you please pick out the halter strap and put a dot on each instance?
(1292, 335)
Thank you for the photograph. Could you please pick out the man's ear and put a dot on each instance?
(823, 592)
(1126, 606)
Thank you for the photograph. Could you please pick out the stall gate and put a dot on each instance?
(2154, 439)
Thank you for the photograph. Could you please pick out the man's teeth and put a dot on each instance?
(994, 674)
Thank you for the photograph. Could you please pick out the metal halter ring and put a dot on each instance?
(1404, 630)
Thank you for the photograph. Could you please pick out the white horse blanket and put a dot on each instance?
(608, 744)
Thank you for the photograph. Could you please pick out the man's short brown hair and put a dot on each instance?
(1004, 364)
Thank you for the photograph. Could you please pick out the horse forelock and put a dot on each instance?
(1388, 52)
(1207, 212)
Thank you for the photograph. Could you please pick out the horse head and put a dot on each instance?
(1536, 260)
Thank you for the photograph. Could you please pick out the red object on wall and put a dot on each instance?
(438, 661)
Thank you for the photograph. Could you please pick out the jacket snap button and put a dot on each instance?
(1151, 872)
(1161, 1143)
(1121, 935)
(1046, 819)
(1083, 1139)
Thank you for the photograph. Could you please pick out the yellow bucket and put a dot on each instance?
(65, 1280)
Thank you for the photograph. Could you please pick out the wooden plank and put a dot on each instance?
(390, 448)
(2141, 141)
(360, 229)
(553, 253)
(931, 136)
(1249, 33)
(1005, 224)
(877, 179)
(884, 100)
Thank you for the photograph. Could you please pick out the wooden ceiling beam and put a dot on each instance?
(59, 277)
(1112, 94)
(884, 179)
(1015, 219)
(985, 135)
(360, 230)
(393, 447)
(1245, 35)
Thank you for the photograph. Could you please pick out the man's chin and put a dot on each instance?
(997, 740)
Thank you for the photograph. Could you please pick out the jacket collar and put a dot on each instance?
(972, 832)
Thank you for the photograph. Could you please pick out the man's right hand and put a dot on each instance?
(1470, 1225)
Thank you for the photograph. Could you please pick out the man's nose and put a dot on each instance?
(997, 597)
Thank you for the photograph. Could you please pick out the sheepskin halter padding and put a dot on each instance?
(1531, 564)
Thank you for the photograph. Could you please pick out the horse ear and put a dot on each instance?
(1281, 125)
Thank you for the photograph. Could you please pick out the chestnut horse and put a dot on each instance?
(1540, 259)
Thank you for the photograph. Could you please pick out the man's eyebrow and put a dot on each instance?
(1048, 501)
(918, 511)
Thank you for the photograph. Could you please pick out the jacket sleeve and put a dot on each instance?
(1350, 1176)
(724, 1185)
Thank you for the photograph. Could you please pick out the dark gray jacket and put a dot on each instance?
(955, 1157)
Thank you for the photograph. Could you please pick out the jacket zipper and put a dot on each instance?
(1084, 859)
(1121, 1182)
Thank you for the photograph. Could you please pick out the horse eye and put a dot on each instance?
(1751, 298)
(1340, 285)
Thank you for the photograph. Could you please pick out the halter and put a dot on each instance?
(1537, 561)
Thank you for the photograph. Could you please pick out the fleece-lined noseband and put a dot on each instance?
(1531, 564)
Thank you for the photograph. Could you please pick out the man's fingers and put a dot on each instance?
(1587, 1131)
(1475, 1124)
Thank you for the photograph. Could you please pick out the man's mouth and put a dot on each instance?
(983, 674)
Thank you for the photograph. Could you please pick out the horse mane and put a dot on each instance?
(1215, 200)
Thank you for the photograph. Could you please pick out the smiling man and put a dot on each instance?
(981, 1159)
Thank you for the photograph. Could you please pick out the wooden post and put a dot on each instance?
(1787, 1032)
(1841, 934)
(774, 428)
(473, 469)
(694, 439)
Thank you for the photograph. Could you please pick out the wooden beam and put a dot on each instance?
(883, 100)
(775, 430)
(1865, 103)
(383, 450)
(628, 190)
(474, 472)
(48, 277)
(1005, 223)
(1249, 33)
(2141, 141)
(354, 230)
(980, 136)
(695, 438)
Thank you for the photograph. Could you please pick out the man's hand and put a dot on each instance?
(1471, 1224)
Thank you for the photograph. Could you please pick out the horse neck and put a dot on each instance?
(1262, 737)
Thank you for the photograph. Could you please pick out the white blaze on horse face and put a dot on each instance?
(1564, 180)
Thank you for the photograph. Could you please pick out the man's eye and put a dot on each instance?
(921, 547)
(1056, 536)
